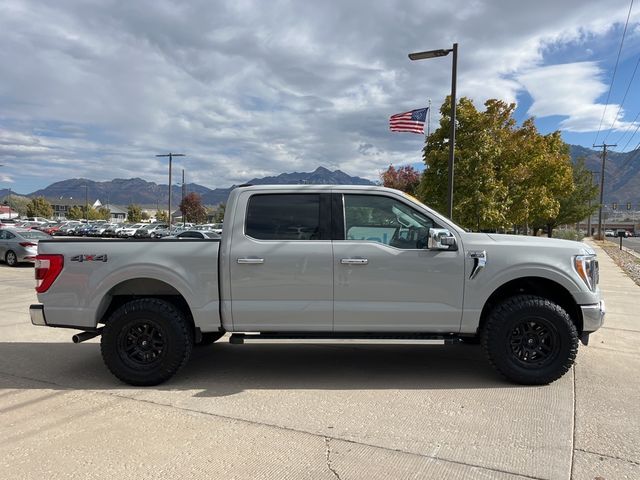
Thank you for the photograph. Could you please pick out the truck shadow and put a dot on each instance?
(224, 369)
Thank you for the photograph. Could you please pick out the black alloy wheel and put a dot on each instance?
(142, 344)
(534, 342)
(530, 340)
(146, 341)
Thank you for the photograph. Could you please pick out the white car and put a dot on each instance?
(128, 232)
(20, 245)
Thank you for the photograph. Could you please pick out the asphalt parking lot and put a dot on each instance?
(346, 410)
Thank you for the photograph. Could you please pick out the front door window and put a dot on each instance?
(385, 220)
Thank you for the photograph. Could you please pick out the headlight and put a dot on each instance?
(587, 268)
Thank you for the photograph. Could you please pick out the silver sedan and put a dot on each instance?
(18, 245)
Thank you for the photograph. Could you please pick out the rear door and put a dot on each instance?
(385, 278)
(281, 263)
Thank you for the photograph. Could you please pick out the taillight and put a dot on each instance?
(47, 269)
(28, 244)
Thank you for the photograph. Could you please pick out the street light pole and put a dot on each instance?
(452, 135)
(182, 203)
(171, 155)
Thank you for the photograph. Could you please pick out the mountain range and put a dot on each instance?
(622, 183)
(138, 191)
(621, 173)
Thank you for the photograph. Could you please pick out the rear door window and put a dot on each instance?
(286, 217)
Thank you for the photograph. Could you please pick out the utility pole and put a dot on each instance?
(604, 147)
(171, 155)
(591, 172)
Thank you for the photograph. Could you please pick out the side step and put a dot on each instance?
(240, 338)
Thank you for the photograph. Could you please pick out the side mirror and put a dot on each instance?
(441, 239)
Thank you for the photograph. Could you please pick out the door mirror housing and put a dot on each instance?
(441, 239)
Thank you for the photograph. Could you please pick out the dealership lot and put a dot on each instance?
(343, 410)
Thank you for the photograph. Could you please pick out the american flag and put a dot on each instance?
(412, 121)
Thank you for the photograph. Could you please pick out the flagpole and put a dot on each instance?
(428, 119)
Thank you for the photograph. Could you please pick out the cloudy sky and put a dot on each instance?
(95, 89)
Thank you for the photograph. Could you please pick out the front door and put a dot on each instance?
(280, 266)
(385, 278)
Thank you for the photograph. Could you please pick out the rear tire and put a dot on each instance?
(11, 258)
(530, 340)
(146, 341)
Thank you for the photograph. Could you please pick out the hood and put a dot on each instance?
(529, 241)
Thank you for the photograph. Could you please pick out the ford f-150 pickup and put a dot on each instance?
(323, 262)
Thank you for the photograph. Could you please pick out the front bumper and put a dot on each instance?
(592, 316)
(37, 315)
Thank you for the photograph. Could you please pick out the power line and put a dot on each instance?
(623, 99)
(632, 135)
(615, 69)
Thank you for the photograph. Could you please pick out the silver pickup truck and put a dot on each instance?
(323, 262)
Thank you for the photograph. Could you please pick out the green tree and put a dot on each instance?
(405, 178)
(134, 213)
(17, 203)
(505, 175)
(104, 213)
(39, 207)
(93, 214)
(480, 192)
(161, 216)
(192, 208)
(219, 213)
(75, 213)
(574, 204)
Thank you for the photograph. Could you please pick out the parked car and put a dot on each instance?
(147, 230)
(215, 227)
(99, 229)
(51, 229)
(166, 232)
(20, 245)
(609, 233)
(129, 230)
(69, 228)
(7, 222)
(197, 234)
(111, 231)
(83, 230)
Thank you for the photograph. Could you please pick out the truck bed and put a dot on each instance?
(99, 273)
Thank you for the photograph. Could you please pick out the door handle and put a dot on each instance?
(354, 261)
(251, 261)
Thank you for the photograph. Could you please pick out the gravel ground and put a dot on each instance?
(628, 262)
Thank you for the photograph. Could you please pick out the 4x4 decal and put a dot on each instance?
(89, 258)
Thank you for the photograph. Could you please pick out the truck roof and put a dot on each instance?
(316, 187)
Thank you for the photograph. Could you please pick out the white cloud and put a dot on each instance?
(248, 88)
(570, 90)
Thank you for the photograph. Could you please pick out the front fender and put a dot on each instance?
(479, 289)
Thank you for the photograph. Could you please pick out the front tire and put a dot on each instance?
(530, 340)
(146, 341)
